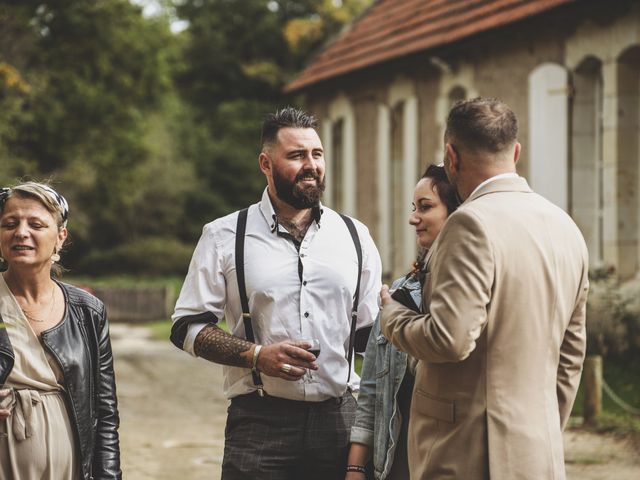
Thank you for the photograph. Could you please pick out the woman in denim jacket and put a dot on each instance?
(387, 374)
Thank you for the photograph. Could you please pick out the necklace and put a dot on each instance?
(37, 320)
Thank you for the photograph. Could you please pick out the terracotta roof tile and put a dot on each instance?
(394, 28)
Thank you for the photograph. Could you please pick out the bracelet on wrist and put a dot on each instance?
(256, 352)
(356, 468)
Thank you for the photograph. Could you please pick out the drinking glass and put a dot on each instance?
(315, 349)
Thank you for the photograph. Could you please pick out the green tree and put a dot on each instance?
(96, 73)
(148, 134)
(237, 56)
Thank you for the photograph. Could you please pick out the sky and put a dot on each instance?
(151, 8)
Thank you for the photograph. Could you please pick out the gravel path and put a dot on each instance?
(171, 407)
(173, 415)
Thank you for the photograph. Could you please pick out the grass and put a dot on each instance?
(624, 380)
(125, 281)
(162, 328)
(358, 364)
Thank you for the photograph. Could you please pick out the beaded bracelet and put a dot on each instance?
(356, 468)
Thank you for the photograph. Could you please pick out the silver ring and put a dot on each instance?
(286, 368)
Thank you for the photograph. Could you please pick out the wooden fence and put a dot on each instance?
(136, 304)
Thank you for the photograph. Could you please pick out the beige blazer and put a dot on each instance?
(501, 350)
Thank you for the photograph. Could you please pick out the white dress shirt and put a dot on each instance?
(282, 306)
(493, 179)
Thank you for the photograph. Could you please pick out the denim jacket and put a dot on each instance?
(378, 421)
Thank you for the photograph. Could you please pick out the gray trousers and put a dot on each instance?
(276, 439)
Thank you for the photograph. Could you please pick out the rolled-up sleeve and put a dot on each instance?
(202, 297)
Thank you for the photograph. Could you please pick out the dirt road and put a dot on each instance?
(173, 414)
(171, 407)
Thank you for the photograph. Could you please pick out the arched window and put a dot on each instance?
(587, 179)
(548, 133)
(628, 153)
(397, 208)
(453, 88)
(397, 176)
(338, 139)
(335, 164)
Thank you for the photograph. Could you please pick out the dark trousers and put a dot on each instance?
(269, 438)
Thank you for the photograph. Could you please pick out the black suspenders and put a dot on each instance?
(241, 229)
(356, 295)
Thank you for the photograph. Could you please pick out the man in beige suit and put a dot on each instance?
(501, 348)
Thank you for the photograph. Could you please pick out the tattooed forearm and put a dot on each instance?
(218, 346)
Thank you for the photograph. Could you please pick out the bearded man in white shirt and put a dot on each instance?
(291, 411)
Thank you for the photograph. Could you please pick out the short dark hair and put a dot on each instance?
(287, 117)
(445, 190)
(482, 125)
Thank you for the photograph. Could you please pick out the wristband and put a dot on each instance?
(256, 352)
(356, 468)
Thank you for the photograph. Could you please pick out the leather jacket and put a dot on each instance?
(80, 343)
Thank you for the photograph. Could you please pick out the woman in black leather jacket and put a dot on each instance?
(55, 353)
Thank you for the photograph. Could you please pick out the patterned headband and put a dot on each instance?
(53, 195)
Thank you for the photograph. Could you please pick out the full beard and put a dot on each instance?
(297, 195)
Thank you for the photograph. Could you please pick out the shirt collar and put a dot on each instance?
(494, 178)
(270, 216)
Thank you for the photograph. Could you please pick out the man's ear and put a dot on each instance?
(265, 163)
(454, 159)
(516, 153)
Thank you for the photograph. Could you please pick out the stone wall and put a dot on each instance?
(597, 43)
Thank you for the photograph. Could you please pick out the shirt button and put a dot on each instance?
(306, 314)
(304, 283)
(302, 255)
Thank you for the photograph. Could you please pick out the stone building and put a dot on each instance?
(569, 68)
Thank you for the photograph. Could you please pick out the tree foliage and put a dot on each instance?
(237, 57)
(89, 74)
(149, 134)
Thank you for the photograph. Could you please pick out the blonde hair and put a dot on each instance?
(41, 192)
(46, 196)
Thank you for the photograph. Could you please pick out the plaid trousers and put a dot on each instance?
(269, 438)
